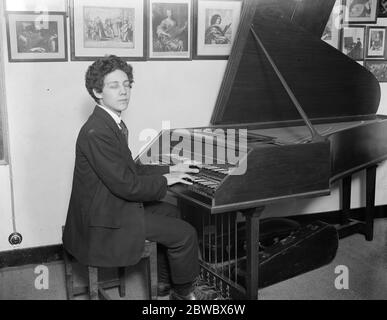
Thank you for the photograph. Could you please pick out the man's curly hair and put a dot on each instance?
(215, 17)
(96, 73)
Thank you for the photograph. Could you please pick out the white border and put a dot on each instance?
(374, 13)
(60, 19)
(214, 49)
(376, 54)
(81, 52)
(170, 55)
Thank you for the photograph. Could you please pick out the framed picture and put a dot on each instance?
(378, 68)
(100, 27)
(376, 42)
(36, 6)
(352, 42)
(331, 34)
(360, 11)
(170, 29)
(35, 37)
(382, 13)
(216, 24)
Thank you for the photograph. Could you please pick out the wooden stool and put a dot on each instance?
(96, 288)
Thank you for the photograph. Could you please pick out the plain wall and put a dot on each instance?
(47, 104)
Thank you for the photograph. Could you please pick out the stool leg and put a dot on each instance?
(122, 278)
(93, 283)
(152, 269)
(68, 275)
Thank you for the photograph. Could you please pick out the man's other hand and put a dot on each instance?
(184, 168)
(178, 177)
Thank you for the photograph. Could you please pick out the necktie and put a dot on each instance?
(124, 130)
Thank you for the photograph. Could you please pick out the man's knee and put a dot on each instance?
(172, 210)
(189, 234)
(162, 208)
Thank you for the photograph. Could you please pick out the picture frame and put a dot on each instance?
(331, 34)
(376, 42)
(100, 28)
(378, 68)
(36, 37)
(382, 12)
(216, 24)
(353, 42)
(170, 30)
(360, 11)
(36, 6)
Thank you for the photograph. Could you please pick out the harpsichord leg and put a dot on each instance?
(252, 237)
(370, 202)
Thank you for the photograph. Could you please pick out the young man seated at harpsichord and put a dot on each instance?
(115, 203)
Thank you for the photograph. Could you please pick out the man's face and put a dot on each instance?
(115, 94)
(357, 10)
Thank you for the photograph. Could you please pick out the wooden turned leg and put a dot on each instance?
(346, 200)
(252, 237)
(68, 275)
(122, 279)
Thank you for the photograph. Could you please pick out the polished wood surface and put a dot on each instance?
(312, 15)
(274, 172)
(327, 83)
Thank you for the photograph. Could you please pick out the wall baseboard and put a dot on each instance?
(41, 255)
(38, 255)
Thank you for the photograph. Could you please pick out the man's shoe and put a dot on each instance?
(198, 293)
(163, 289)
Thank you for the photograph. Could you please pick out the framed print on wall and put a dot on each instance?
(216, 23)
(331, 34)
(378, 68)
(352, 42)
(376, 42)
(360, 11)
(170, 29)
(382, 13)
(36, 37)
(100, 27)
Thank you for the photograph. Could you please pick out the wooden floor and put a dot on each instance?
(366, 263)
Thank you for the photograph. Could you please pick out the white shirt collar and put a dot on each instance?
(116, 118)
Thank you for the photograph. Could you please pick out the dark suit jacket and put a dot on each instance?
(105, 219)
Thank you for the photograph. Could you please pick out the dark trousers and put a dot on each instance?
(177, 243)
